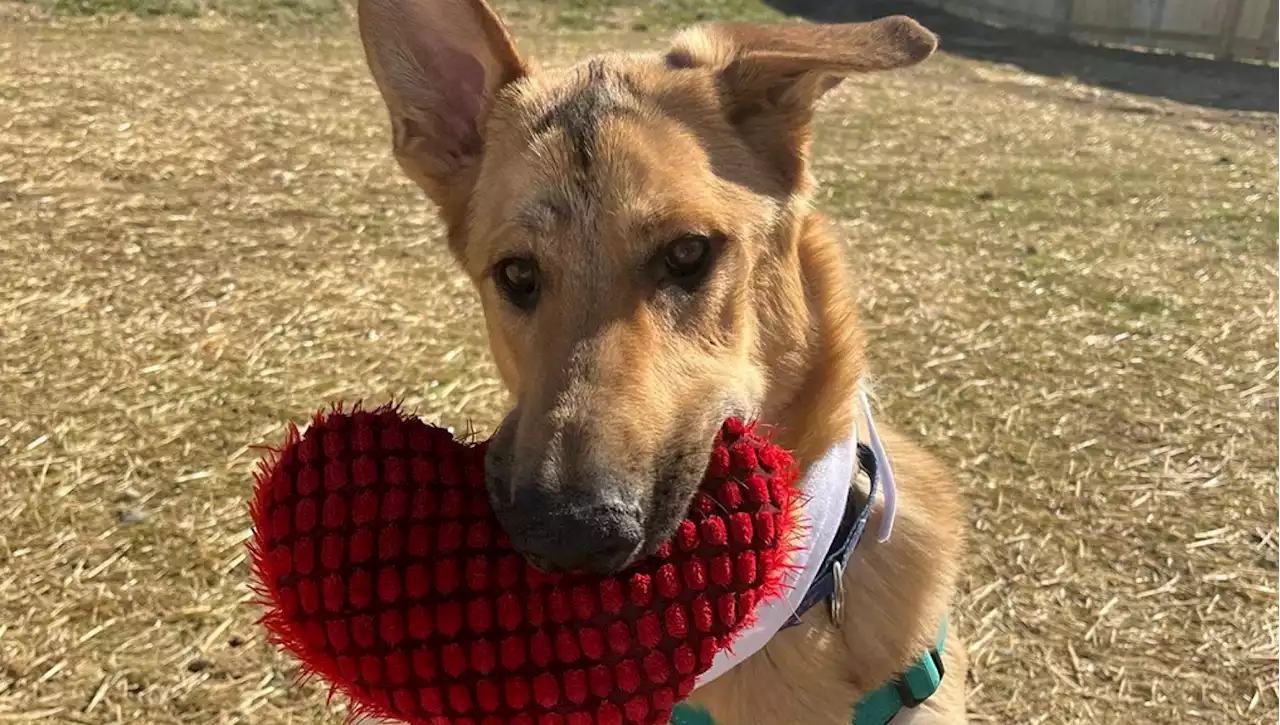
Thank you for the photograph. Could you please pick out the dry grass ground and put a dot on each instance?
(1071, 295)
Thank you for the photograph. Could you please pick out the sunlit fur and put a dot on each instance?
(592, 170)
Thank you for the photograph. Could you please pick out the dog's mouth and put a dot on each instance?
(564, 534)
(601, 525)
(679, 478)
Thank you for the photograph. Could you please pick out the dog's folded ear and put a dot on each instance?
(770, 76)
(438, 64)
(795, 63)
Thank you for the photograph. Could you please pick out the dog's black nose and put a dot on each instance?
(579, 529)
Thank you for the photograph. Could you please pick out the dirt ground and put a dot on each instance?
(1071, 294)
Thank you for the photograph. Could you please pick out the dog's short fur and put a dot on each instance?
(639, 230)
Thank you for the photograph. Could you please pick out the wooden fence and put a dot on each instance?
(1225, 29)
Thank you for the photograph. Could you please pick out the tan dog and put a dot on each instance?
(639, 230)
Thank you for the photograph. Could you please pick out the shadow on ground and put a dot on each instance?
(1230, 86)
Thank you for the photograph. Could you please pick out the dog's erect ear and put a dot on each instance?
(438, 64)
(770, 76)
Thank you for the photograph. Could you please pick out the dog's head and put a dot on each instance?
(630, 225)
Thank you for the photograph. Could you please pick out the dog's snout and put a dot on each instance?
(588, 526)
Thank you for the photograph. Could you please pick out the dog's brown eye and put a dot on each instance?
(687, 256)
(517, 279)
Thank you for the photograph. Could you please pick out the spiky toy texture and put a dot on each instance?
(384, 572)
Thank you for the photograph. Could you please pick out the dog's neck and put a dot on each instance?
(819, 346)
(814, 378)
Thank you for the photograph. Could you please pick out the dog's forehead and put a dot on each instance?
(580, 101)
(602, 84)
(586, 144)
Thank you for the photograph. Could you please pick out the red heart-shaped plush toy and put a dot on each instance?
(385, 572)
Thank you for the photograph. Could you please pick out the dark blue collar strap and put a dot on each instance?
(828, 583)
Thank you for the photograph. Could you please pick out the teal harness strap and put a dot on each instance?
(686, 714)
(915, 685)
(912, 687)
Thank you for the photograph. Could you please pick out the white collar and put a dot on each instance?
(825, 487)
